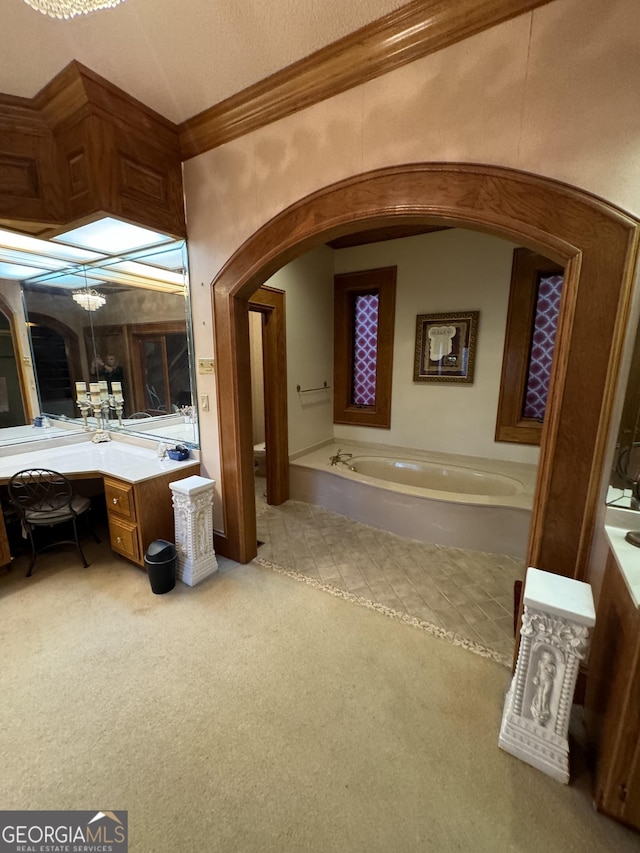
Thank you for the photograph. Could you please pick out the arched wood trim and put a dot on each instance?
(9, 313)
(596, 242)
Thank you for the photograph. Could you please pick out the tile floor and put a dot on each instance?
(469, 593)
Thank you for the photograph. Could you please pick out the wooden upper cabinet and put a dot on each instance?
(30, 189)
(82, 148)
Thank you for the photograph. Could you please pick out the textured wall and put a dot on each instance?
(553, 92)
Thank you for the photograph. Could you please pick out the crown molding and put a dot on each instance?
(411, 32)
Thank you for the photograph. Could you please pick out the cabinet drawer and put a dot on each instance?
(124, 538)
(119, 498)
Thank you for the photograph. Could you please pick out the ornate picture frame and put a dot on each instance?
(445, 347)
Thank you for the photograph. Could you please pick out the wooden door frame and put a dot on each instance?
(10, 314)
(595, 242)
(271, 304)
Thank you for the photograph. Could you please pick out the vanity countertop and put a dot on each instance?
(618, 523)
(126, 462)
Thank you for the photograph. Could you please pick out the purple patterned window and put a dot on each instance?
(545, 323)
(365, 348)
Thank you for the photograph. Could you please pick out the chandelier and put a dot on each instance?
(70, 8)
(89, 299)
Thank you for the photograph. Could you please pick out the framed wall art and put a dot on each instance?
(445, 347)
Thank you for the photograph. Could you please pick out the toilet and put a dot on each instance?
(260, 459)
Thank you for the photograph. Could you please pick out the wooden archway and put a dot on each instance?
(597, 244)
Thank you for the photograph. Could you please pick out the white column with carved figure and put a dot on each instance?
(554, 638)
(193, 518)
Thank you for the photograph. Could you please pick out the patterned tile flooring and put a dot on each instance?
(466, 593)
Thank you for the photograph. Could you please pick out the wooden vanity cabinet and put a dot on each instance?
(612, 701)
(5, 553)
(141, 512)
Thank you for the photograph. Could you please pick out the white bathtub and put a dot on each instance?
(439, 477)
(446, 499)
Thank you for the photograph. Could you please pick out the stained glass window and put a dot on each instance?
(545, 324)
(365, 349)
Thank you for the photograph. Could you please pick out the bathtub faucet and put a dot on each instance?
(340, 457)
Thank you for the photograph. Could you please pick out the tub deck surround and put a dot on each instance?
(496, 524)
(434, 476)
(519, 478)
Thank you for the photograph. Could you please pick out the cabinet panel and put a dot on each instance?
(141, 512)
(124, 538)
(612, 703)
(5, 553)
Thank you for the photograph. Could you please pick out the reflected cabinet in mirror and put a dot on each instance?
(624, 489)
(110, 335)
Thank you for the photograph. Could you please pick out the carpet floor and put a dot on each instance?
(254, 713)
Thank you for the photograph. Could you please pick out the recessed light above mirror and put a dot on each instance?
(112, 236)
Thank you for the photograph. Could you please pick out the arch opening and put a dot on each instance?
(596, 243)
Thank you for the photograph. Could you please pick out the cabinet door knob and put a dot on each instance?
(119, 540)
(115, 500)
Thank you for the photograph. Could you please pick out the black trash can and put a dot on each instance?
(160, 562)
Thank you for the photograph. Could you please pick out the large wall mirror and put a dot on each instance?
(116, 312)
(624, 489)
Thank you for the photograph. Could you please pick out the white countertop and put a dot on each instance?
(113, 458)
(618, 523)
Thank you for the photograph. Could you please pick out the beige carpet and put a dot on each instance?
(254, 713)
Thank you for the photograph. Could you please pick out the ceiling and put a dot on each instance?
(178, 57)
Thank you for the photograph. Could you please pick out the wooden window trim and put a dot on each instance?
(382, 281)
(525, 272)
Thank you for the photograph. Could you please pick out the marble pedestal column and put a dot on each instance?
(554, 638)
(193, 517)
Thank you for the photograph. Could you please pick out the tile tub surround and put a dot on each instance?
(489, 523)
(460, 594)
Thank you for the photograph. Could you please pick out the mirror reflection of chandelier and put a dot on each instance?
(70, 8)
(89, 299)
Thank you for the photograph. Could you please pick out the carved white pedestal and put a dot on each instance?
(192, 511)
(554, 638)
